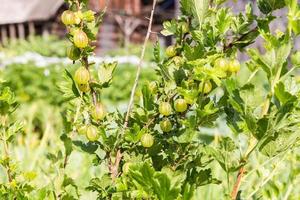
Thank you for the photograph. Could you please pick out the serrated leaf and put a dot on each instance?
(68, 87)
(67, 143)
(170, 28)
(200, 8)
(105, 73)
(282, 95)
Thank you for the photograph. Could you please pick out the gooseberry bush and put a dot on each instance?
(161, 151)
(161, 147)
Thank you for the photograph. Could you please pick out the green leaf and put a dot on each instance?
(227, 144)
(67, 143)
(14, 129)
(265, 62)
(223, 20)
(68, 87)
(283, 52)
(282, 95)
(105, 73)
(199, 9)
(170, 28)
(202, 177)
(8, 102)
(152, 182)
(267, 6)
(89, 147)
(295, 58)
(189, 192)
(156, 52)
(278, 143)
(148, 102)
(69, 182)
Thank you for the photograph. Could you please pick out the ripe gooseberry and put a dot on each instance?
(180, 105)
(234, 66)
(73, 53)
(68, 17)
(178, 61)
(82, 76)
(125, 167)
(80, 39)
(147, 140)
(222, 63)
(205, 87)
(92, 133)
(84, 87)
(98, 112)
(82, 130)
(171, 51)
(78, 17)
(165, 125)
(165, 108)
(153, 87)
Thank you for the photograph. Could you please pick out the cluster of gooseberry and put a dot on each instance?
(181, 104)
(76, 22)
(230, 66)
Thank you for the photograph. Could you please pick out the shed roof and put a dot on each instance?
(18, 11)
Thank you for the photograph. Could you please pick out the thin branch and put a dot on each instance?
(237, 183)
(8, 170)
(114, 166)
(231, 44)
(87, 66)
(138, 72)
(252, 145)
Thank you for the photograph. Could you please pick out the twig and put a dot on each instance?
(87, 66)
(6, 151)
(65, 161)
(237, 183)
(231, 44)
(250, 149)
(114, 166)
(139, 66)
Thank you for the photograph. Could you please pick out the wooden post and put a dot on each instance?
(136, 7)
(102, 4)
(12, 31)
(31, 28)
(128, 7)
(118, 4)
(3, 34)
(21, 31)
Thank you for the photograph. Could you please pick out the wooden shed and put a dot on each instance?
(125, 20)
(18, 17)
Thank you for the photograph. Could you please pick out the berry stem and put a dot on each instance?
(86, 64)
